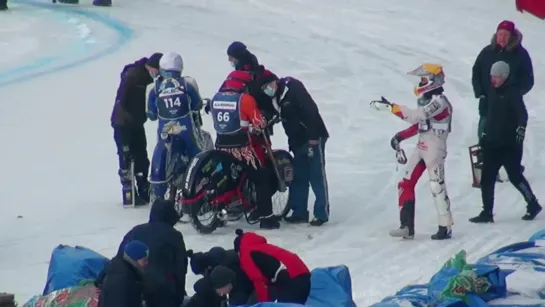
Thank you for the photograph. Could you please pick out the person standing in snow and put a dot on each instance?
(242, 59)
(431, 121)
(502, 142)
(127, 120)
(307, 136)
(506, 45)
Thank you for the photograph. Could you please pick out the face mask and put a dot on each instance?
(233, 64)
(269, 91)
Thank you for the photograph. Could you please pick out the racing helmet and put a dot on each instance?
(431, 76)
(236, 81)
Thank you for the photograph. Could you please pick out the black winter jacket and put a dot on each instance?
(300, 115)
(514, 54)
(120, 285)
(506, 112)
(167, 269)
(205, 295)
(130, 102)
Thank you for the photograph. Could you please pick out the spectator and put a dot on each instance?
(212, 290)
(278, 275)
(204, 263)
(506, 45)
(502, 142)
(168, 265)
(121, 283)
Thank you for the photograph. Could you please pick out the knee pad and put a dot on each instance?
(436, 188)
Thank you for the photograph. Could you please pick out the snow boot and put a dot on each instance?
(483, 217)
(403, 232)
(443, 233)
(532, 210)
(269, 222)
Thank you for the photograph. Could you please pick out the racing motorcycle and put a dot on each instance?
(169, 163)
(218, 184)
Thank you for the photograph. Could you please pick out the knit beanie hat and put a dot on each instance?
(500, 69)
(199, 262)
(222, 276)
(154, 59)
(136, 250)
(237, 50)
(236, 243)
(264, 80)
(216, 255)
(506, 25)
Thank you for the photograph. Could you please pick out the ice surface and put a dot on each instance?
(59, 161)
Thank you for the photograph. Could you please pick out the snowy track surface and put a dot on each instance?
(59, 162)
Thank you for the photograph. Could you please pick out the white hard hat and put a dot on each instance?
(172, 61)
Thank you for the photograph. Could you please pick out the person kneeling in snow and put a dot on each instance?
(168, 265)
(121, 282)
(278, 275)
(204, 263)
(212, 290)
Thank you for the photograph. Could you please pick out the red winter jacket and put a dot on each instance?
(252, 242)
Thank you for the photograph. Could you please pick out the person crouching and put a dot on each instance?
(203, 263)
(121, 282)
(213, 289)
(277, 274)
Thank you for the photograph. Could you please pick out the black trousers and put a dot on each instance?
(131, 141)
(293, 290)
(510, 157)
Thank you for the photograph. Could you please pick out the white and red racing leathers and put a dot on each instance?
(432, 122)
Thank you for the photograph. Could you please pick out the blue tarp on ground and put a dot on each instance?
(70, 265)
(516, 273)
(330, 287)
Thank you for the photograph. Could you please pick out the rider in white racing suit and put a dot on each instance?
(431, 120)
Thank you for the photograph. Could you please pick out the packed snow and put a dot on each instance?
(59, 72)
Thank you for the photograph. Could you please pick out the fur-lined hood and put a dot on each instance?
(514, 41)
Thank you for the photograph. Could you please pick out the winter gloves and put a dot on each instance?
(395, 141)
(384, 104)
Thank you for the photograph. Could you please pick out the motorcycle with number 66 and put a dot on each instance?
(217, 184)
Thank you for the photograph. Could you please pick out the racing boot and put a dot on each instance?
(406, 217)
(443, 233)
(444, 215)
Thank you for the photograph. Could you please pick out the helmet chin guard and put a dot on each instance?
(431, 78)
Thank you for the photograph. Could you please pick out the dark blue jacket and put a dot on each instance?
(168, 261)
(130, 101)
(301, 118)
(520, 64)
(120, 285)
